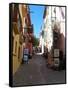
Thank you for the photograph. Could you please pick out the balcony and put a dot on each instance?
(15, 27)
(30, 29)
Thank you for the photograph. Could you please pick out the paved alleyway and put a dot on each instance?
(36, 72)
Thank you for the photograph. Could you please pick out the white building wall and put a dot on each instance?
(56, 16)
(47, 28)
(41, 44)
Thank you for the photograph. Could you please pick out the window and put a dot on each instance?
(25, 30)
(53, 11)
(44, 26)
(18, 22)
(15, 46)
(25, 26)
(18, 52)
(12, 43)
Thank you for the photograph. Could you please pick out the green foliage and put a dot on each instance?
(35, 41)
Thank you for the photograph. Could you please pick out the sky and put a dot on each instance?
(36, 18)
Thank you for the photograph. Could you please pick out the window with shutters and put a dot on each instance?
(15, 46)
(18, 52)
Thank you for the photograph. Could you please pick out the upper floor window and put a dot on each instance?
(18, 22)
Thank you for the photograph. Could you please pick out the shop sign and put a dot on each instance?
(56, 62)
(56, 52)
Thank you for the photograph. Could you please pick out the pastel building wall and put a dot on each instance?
(54, 14)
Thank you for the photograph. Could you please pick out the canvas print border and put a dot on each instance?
(11, 44)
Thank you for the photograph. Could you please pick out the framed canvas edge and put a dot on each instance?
(10, 46)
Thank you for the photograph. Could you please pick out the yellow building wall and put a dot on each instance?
(23, 12)
(16, 61)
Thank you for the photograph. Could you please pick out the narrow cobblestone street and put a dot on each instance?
(37, 44)
(36, 73)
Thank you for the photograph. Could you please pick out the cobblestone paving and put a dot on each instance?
(36, 73)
